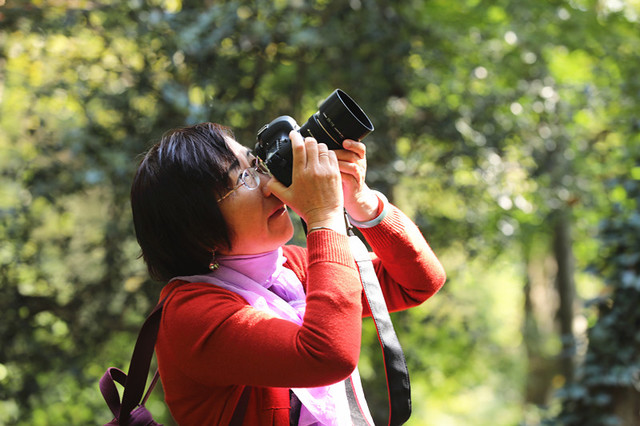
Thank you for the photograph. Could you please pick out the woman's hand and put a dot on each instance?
(359, 200)
(315, 193)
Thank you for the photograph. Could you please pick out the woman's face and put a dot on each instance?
(258, 221)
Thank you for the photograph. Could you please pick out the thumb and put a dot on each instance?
(273, 186)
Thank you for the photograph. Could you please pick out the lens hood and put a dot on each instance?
(338, 118)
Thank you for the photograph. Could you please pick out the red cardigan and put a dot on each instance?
(211, 343)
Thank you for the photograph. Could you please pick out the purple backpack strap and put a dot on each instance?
(110, 391)
(135, 381)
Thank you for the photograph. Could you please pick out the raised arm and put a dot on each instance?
(408, 270)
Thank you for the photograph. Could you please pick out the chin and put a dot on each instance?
(281, 231)
(286, 236)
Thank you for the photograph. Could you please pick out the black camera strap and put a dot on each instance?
(397, 375)
(395, 366)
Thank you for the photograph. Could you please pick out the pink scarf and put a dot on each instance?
(268, 286)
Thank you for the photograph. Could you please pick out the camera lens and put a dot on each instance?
(338, 118)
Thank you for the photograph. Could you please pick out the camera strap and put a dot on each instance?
(395, 366)
(397, 375)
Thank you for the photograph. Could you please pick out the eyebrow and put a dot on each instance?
(236, 163)
(233, 165)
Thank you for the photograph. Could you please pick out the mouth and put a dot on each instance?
(278, 212)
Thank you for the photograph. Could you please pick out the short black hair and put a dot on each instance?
(174, 200)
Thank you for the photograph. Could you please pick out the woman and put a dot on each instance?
(246, 311)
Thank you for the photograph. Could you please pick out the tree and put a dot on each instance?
(608, 389)
(494, 121)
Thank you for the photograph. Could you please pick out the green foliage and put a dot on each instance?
(490, 117)
(612, 363)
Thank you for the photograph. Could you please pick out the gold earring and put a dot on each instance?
(213, 265)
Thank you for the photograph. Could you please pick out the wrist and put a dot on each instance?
(335, 223)
(383, 209)
(366, 206)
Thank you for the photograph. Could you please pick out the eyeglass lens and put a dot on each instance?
(250, 178)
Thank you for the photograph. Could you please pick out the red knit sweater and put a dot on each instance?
(211, 343)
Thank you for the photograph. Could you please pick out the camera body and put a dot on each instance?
(338, 118)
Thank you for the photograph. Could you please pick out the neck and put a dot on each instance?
(259, 267)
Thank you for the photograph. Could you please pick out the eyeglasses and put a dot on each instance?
(250, 177)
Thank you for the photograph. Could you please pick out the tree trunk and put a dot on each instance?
(563, 253)
(627, 405)
(539, 304)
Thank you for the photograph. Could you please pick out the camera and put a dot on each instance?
(338, 118)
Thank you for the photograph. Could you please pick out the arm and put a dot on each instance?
(218, 339)
(407, 268)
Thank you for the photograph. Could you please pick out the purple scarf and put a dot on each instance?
(268, 286)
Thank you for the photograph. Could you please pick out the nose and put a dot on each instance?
(263, 185)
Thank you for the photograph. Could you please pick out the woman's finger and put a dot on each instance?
(358, 148)
(322, 148)
(324, 153)
(298, 150)
(311, 147)
(273, 186)
(330, 157)
(350, 169)
(348, 156)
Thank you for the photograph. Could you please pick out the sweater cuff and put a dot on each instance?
(325, 245)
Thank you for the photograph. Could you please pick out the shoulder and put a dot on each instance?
(297, 260)
(295, 254)
(190, 304)
(196, 293)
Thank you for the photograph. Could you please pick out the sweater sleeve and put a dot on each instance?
(217, 339)
(408, 270)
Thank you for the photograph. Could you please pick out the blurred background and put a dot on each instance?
(508, 130)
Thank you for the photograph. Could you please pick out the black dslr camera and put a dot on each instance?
(338, 118)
